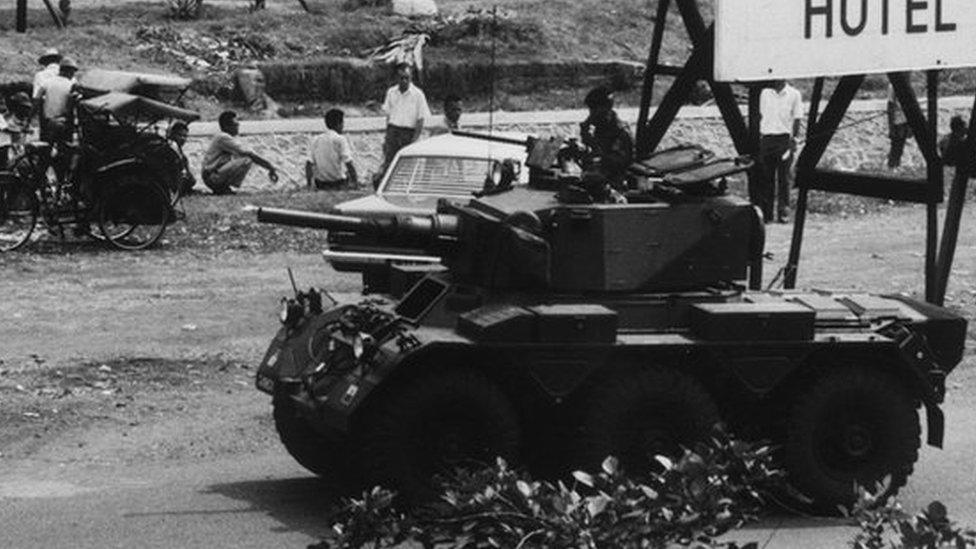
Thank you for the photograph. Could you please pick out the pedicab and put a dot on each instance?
(117, 181)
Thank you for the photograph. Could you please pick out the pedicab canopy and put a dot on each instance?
(96, 81)
(126, 106)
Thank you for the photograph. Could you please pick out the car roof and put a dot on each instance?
(466, 147)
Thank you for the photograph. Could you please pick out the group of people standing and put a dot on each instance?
(51, 99)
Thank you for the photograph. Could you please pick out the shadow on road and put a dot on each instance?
(297, 504)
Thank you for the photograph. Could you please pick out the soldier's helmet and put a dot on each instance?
(600, 96)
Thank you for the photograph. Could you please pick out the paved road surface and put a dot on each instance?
(259, 498)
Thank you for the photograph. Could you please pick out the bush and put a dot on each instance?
(884, 524)
(185, 9)
(691, 501)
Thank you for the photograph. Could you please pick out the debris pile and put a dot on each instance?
(203, 52)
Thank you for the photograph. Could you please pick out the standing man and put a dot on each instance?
(330, 156)
(609, 148)
(952, 146)
(780, 108)
(898, 130)
(53, 99)
(406, 111)
(227, 162)
(49, 60)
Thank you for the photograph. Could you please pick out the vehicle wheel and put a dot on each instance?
(333, 458)
(435, 425)
(852, 426)
(18, 214)
(133, 213)
(655, 411)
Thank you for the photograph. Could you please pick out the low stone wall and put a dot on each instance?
(862, 143)
(343, 80)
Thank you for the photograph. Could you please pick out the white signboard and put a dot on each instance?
(768, 39)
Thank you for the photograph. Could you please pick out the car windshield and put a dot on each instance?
(437, 175)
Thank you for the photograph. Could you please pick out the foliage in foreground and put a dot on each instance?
(691, 502)
(883, 524)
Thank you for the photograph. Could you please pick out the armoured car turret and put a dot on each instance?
(557, 329)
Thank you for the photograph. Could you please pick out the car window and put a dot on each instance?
(437, 175)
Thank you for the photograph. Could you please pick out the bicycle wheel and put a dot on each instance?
(134, 213)
(18, 213)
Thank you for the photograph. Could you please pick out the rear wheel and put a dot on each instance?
(18, 213)
(133, 213)
(852, 427)
(332, 457)
(434, 425)
(655, 411)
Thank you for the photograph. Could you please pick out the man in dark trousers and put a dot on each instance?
(781, 110)
(406, 111)
(952, 147)
(227, 161)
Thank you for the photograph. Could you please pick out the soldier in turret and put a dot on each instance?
(609, 148)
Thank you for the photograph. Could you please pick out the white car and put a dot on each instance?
(448, 166)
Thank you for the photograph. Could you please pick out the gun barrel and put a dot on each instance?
(489, 137)
(429, 228)
(313, 220)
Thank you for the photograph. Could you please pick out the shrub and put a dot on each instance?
(884, 524)
(185, 9)
(690, 501)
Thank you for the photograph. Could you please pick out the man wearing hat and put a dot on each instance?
(49, 60)
(54, 100)
(609, 149)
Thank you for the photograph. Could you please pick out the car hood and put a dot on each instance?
(393, 204)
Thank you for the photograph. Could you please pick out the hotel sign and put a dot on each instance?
(767, 39)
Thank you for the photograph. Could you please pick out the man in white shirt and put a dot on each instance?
(49, 60)
(54, 100)
(330, 156)
(406, 111)
(781, 110)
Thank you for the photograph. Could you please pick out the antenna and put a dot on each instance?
(491, 98)
(291, 277)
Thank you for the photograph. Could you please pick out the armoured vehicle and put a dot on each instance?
(559, 329)
(445, 166)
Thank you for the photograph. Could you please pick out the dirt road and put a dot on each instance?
(129, 416)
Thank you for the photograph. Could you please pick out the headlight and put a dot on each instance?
(360, 344)
(283, 312)
(291, 312)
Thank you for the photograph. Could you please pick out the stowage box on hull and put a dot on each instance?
(541, 324)
(752, 322)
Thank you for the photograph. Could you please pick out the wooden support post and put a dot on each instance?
(953, 215)
(803, 192)
(936, 180)
(650, 70)
(21, 16)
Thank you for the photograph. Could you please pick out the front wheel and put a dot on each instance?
(332, 457)
(133, 213)
(18, 213)
(852, 427)
(435, 424)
